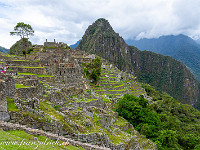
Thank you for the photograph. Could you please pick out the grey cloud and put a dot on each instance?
(67, 20)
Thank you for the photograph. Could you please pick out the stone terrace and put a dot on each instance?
(116, 83)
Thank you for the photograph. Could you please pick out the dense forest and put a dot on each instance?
(167, 122)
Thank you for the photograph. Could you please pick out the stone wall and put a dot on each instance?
(54, 44)
(4, 116)
(3, 103)
(22, 63)
(39, 70)
(9, 84)
(29, 92)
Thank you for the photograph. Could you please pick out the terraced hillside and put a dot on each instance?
(51, 93)
(114, 82)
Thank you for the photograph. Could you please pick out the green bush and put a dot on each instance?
(29, 50)
(93, 69)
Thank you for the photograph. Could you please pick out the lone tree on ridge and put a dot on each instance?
(24, 31)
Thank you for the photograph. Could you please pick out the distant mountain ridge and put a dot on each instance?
(4, 50)
(164, 73)
(73, 46)
(180, 47)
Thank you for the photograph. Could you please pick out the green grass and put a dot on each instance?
(118, 86)
(39, 75)
(20, 60)
(17, 86)
(27, 67)
(1, 62)
(11, 140)
(120, 122)
(116, 139)
(86, 100)
(112, 94)
(47, 108)
(26, 73)
(11, 105)
(106, 100)
(7, 55)
(34, 67)
(118, 90)
(46, 76)
(17, 77)
(96, 119)
(48, 87)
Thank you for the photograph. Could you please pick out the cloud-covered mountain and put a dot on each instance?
(180, 47)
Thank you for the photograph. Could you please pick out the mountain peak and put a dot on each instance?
(102, 40)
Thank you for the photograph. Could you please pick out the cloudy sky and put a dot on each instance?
(67, 20)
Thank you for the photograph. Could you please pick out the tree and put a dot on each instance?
(93, 69)
(24, 31)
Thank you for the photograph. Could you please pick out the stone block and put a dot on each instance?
(4, 116)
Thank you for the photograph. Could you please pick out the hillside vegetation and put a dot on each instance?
(18, 47)
(164, 73)
(170, 124)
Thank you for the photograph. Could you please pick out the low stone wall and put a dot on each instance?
(47, 79)
(31, 82)
(29, 92)
(22, 63)
(11, 126)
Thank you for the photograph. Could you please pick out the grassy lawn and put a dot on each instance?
(11, 105)
(20, 140)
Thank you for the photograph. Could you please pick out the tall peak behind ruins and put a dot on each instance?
(162, 72)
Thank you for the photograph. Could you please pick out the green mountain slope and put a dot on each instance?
(180, 47)
(4, 50)
(164, 73)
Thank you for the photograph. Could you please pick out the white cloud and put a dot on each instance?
(67, 20)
